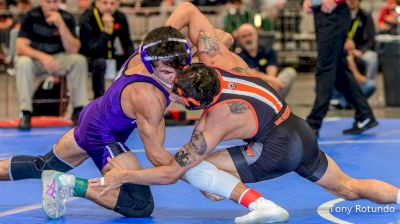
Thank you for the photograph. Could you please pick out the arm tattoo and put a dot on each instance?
(240, 69)
(196, 147)
(207, 44)
(238, 107)
(198, 143)
(183, 157)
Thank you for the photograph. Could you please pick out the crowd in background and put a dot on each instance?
(54, 42)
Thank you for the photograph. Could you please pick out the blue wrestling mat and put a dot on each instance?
(375, 154)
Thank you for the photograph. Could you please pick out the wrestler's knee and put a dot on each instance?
(134, 201)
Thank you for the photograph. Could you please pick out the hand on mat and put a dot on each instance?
(212, 197)
(112, 179)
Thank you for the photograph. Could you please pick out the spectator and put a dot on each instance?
(236, 16)
(209, 2)
(6, 23)
(147, 3)
(388, 21)
(83, 5)
(264, 60)
(104, 29)
(361, 38)
(359, 46)
(332, 23)
(141, 5)
(358, 67)
(47, 44)
(23, 6)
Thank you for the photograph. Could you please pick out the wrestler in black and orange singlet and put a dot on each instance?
(282, 143)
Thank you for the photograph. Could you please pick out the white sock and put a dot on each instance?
(398, 197)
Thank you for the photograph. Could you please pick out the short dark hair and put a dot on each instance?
(167, 48)
(199, 82)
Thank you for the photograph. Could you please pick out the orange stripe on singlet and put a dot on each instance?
(243, 87)
(260, 92)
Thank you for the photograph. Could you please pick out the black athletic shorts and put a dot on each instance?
(292, 146)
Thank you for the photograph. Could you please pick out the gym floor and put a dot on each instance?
(371, 155)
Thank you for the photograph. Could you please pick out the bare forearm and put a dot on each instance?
(150, 176)
(186, 14)
(27, 50)
(159, 157)
(180, 17)
(357, 74)
(69, 42)
(272, 70)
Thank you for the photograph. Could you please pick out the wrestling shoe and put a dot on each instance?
(263, 211)
(57, 187)
(361, 126)
(25, 120)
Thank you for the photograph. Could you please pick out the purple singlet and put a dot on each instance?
(102, 121)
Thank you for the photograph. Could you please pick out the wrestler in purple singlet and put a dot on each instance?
(102, 121)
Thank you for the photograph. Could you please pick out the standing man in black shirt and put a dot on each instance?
(47, 44)
(332, 22)
(100, 27)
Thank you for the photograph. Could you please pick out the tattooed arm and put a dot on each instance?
(201, 31)
(204, 139)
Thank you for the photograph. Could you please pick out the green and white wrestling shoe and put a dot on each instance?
(57, 187)
(263, 211)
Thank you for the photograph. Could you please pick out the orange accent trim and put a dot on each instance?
(195, 102)
(235, 73)
(236, 100)
(283, 117)
(249, 151)
(269, 97)
(185, 101)
(249, 197)
(180, 92)
(222, 84)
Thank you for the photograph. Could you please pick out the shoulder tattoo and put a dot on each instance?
(237, 107)
(191, 151)
(240, 69)
(207, 44)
